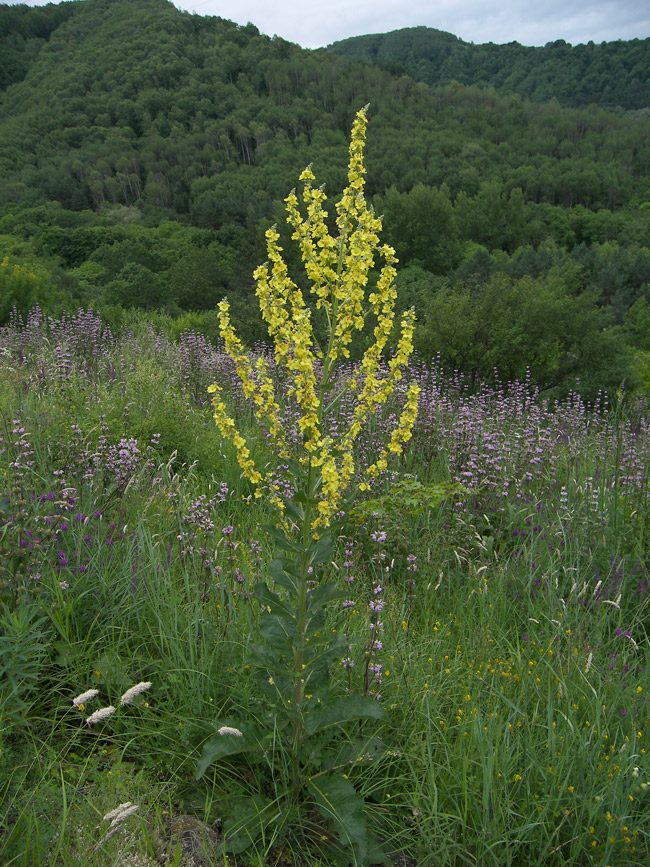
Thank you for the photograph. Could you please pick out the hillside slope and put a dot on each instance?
(134, 101)
(610, 74)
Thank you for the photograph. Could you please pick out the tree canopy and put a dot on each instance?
(144, 151)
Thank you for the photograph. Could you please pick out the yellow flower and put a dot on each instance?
(338, 268)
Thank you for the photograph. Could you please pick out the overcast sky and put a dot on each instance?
(313, 23)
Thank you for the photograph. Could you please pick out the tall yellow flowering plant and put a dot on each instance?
(296, 653)
(338, 269)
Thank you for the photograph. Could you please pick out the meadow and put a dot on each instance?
(317, 603)
(509, 542)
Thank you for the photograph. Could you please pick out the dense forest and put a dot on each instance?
(612, 74)
(144, 151)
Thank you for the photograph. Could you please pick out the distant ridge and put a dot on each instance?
(609, 74)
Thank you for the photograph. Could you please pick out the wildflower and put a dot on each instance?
(338, 269)
(85, 697)
(228, 730)
(130, 694)
(99, 715)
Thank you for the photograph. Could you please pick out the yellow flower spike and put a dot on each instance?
(338, 269)
(229, 431)
(258, 385)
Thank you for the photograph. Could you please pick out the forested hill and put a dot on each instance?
(611, 74)
(144, 151)
(133, 101)
(23, 32)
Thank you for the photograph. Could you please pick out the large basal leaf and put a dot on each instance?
(247, 822)
(222, 746)
(339, 803)
(343, 710)
(345, 754)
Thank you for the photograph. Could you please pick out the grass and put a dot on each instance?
(515, 647)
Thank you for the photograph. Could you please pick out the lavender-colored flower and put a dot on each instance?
(349, 603)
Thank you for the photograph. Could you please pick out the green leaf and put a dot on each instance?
(274, 604)
(292, 510)
(360, 751)
(222, 746)
(302, 498)
(281, 539)
(322, 551)
(323, 594)
(278, 632)
(342, 711)
(282, 576)
(339, 803)
(247, 822)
